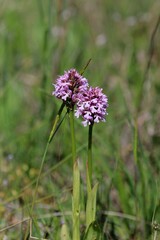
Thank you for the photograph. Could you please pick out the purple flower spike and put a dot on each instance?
(92, 106)
(69, 86)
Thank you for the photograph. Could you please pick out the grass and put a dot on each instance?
(38, 41)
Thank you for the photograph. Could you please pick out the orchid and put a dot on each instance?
(69, 86)
(92, 106)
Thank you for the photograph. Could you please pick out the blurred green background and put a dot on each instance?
(38, 41)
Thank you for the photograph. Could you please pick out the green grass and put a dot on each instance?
(38, 41)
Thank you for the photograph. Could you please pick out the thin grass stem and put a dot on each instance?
(45, 152)
(83, 70)
(55, 128)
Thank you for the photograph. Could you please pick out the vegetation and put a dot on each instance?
(38, 41)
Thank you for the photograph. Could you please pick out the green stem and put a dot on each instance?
(76, 183)
(89, 162)
(73, 140)
(76, 202)
(91, 192)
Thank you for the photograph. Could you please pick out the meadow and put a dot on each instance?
(39, 40)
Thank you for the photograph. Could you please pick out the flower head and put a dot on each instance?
(92, 106)
(69, 86)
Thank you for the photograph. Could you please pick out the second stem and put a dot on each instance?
(89, 162)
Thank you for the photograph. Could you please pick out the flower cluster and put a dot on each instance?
(69, 86)
(73, 89)
(92, 106)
